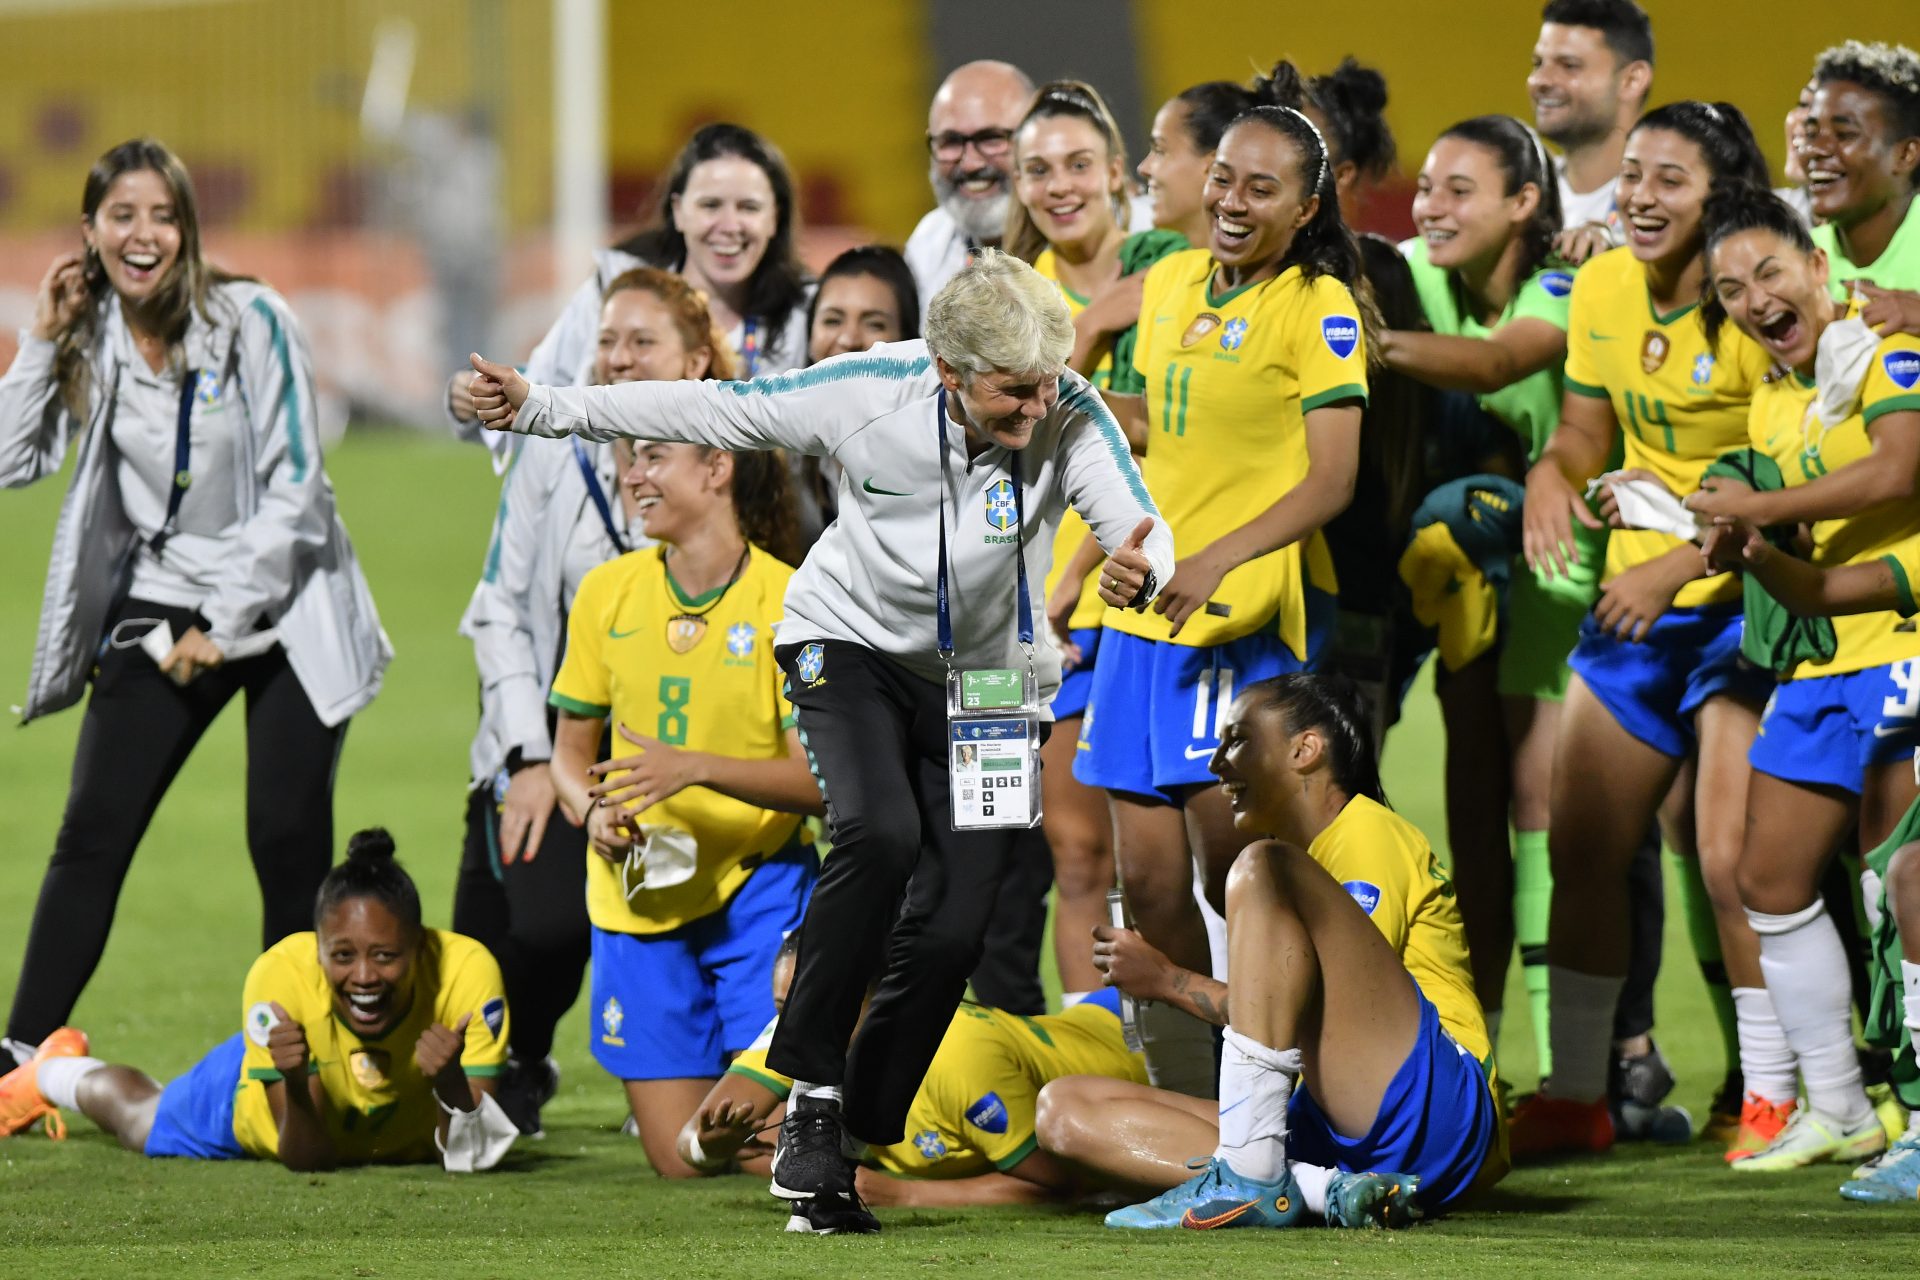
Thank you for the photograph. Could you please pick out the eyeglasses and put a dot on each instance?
(950, 146)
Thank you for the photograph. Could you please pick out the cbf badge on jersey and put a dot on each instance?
(993, 746)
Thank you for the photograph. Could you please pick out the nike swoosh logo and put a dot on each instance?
(1226, 1109)
(869, 486)
(1202, 754)
(621, 635)
(1599, 337)
(1881, 730)
(1198, 1223)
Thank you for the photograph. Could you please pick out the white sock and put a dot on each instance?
(1493, 1029)
(1581, 1031)
(18, 1053)
(1312, 1181)
(1068, 999)
(1806, 971)
(824, 1092)
(1766, 1059)
(59, 1079)
(1910, 986)
(1255, 1085)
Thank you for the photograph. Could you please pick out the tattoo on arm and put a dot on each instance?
(1202, 996)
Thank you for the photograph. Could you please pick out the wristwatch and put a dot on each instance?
(1148, 587)
(516, 762)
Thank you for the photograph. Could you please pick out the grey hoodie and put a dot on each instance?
(870, 579)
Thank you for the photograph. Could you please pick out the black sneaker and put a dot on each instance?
(811, 1159)
(833, 1215)
(1646, 1079)
(526, 1087)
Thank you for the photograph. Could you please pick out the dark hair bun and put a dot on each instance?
(370, 845)
(1282, 86)
(1363, 88)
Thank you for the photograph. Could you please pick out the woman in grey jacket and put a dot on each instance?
(197, 555)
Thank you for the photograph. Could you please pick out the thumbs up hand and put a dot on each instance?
(1126, 569)
(497, 391)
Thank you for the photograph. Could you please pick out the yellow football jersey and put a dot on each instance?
(1785, 427)
(1073, 530)
(1680, 402)
(1230, 378)
(1388, 866)
(724, 694)
(974, 1112)
(379, 1106)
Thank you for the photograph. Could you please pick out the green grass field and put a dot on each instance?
(582, 1202)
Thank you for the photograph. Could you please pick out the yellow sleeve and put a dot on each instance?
(273, 979)
(751, 1062)
(1330, 346)
(472, 985)
(1893, 380)
(1377, 880)
(989, 1100)
(1582, 374)
(581, 685)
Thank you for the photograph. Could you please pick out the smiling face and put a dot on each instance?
(367, 954)
(853, 313)
(678, 487)
(1855, 165)
(1259, 764)
(1460, 207)
(639, 342)
(1174, 168)
(1775, 292)
(1256, 196)
(728, 215)
(1574, 85)
(1067, 178)
(970, 144)
(1003, 406)
(136, 233)
(1664, 180)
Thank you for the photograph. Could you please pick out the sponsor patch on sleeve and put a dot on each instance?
(988, 1114)
(1342, 334)
(1903, 367)
(1557, 283)
(260, 1023)
(494, 1014)
(1367, 895)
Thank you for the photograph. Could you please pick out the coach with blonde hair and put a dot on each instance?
(956, 450)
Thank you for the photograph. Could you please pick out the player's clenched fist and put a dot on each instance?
(438, 1048)
(287, 1042)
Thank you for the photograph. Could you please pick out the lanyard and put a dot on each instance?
(749, 346)
(942, 608)
(182, 459)
(598, 494)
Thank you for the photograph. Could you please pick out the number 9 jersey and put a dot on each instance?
(695, 673)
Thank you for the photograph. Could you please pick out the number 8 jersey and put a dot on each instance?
(696, 673)
(1230, 377)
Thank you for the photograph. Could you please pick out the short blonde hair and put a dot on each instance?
(998, 313)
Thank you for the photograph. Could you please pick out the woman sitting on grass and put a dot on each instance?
(397, 1031)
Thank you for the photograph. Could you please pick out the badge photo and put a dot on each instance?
(1653, 351)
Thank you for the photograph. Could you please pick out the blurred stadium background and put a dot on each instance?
(374, 159)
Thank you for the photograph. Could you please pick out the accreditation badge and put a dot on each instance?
(993, 749)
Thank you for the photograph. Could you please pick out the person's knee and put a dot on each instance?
(1770, 886)
(1902, 881)
(1258, 875)
(1061, 1114)
(1082, 862)
(883, 836)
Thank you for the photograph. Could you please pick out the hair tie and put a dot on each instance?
(1314, 129)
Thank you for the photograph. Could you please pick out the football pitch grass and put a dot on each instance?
(582, 1202)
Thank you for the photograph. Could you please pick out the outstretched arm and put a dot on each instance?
(1514, 351)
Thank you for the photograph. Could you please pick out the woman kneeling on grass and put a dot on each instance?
(398, 1031)
(1354, 1041)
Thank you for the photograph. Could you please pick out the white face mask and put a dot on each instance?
(660, 858)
